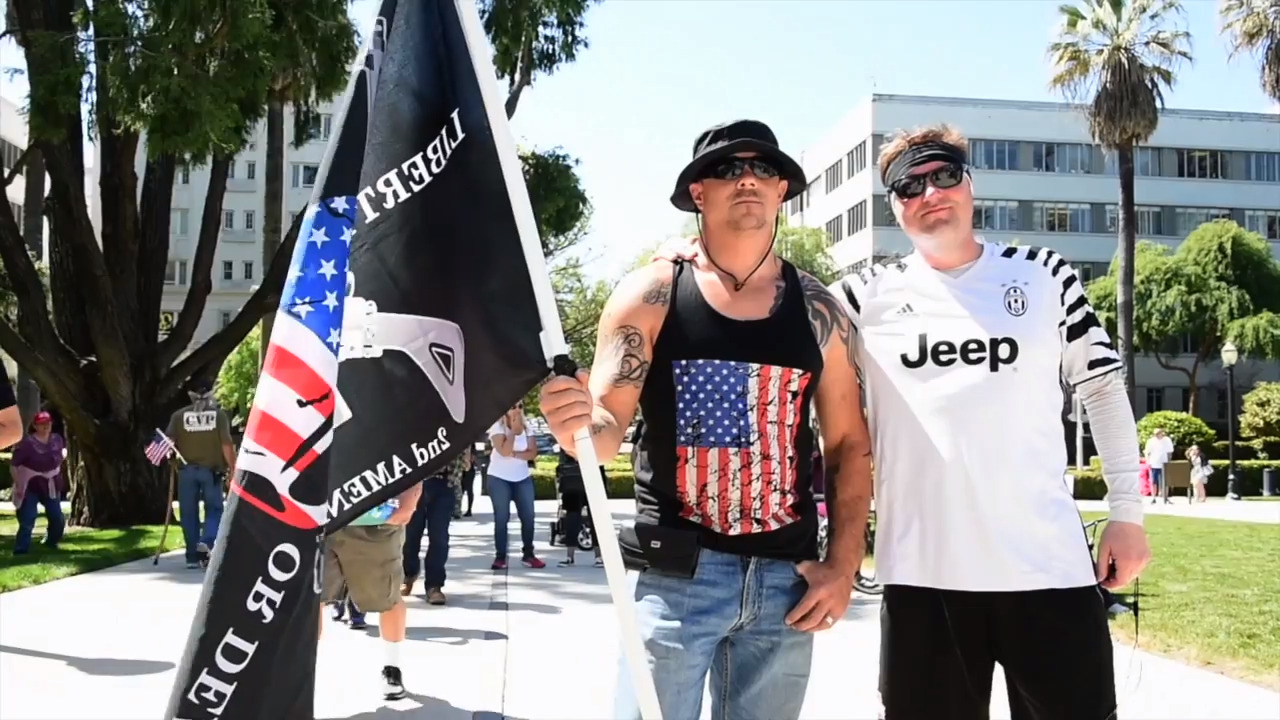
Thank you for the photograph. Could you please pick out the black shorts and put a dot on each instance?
(938, 650)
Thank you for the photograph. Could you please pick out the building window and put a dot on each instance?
(794, 206)
(883, 212)
(857, 158)
(835, 229)
(1150, 220)
(228, 270)
(834, 175)
(1062, 157)
(1155, 399)
(178, 222)
(175, 272)
(249, 219)
(228, 219)
(250, 170)
(1188, 219)
(248, 269)
(1205, 164)
(224, 319)
(856, 220)
(1184, 399)
(995, 215)
(1262, 167)
(993, 155)
(231, 170)
(1146, 162)
(1264, 222)
(811, 192)
(1063, 217)
(184, 175)
(304, 174)
(320, 128)
(9, 154)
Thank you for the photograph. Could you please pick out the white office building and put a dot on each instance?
(13, 140)
(1041, 181)
(238, 266)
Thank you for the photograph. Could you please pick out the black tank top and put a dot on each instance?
(727, 441)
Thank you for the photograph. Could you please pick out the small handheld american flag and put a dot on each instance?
(160, 448)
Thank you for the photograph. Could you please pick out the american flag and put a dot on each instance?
(736, 427)
(292, 420)
(160, 448)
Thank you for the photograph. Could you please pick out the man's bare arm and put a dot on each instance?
(11, 430)
(624, 348)
(408, 502)
(846, 442)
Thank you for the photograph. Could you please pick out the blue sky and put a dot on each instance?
(660, 71)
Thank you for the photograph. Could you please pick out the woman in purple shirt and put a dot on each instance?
(37, 481)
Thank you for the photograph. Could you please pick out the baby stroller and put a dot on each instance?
(569, 480)
(865, 580)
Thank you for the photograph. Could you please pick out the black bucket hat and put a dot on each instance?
(716, 144)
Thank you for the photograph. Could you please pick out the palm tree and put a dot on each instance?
(1117, 58)
(1253, 27)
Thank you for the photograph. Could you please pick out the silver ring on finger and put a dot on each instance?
(830, 621)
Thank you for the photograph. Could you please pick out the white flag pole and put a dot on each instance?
(554, 346)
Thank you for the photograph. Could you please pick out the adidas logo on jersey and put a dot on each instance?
(992, 352)
(905, 311)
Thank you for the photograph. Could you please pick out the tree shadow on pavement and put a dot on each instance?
(111, 667)
(428, 708)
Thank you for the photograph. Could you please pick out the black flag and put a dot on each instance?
(408, 325)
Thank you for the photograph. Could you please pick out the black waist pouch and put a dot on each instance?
(664, 550)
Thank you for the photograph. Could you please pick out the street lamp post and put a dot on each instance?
(1229, 357)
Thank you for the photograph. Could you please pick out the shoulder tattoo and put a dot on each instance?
(658, 293)
(827, 317)
(626, 345)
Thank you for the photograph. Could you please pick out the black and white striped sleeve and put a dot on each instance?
(850, 291)
(1087, 350)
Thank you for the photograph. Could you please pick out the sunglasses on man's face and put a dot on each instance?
(943, 178)
(733, 168)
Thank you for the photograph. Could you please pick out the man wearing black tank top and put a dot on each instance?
(723, 354)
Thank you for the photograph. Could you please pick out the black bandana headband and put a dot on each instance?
(917, 155)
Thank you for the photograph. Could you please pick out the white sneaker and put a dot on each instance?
(1118, 609)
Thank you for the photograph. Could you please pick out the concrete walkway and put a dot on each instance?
(527, 644)
(1253, 511)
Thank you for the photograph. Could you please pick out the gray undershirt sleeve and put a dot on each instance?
(1115, 435)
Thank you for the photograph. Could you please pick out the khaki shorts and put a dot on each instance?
(369, 561)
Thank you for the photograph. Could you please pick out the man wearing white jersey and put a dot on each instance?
(964, 346)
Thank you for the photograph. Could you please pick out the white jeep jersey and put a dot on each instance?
(963, 382)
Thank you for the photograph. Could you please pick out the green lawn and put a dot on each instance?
(81, 550)
(1209, 596)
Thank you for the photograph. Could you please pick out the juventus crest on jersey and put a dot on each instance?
(963, 381)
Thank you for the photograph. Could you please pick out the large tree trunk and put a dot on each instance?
(33, 235)
(1124, 286)
(272, 229)
(113, 484)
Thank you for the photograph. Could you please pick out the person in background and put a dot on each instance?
(510, 480)
(10, 421)
(1158, 452)
(1201, 469)
(202, 434)
(434, 511)
(573, 499)
(36, 467)
(345, 607)
(364, 563)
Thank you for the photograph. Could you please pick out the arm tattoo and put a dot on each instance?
(627, 346)
(828, 317)
(659, 293)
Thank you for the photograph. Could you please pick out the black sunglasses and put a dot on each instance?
(733, 168)
(943, 178)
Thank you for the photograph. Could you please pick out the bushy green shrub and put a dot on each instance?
(1185, 429)
(1260, 411)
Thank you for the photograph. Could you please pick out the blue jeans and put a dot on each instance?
(728, 620)
(27, 514)
(197, 484)
(1157, 481)
(502, 492)
(433, 515)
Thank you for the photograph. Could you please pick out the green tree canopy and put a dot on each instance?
(1222, 283)
(238, 378)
